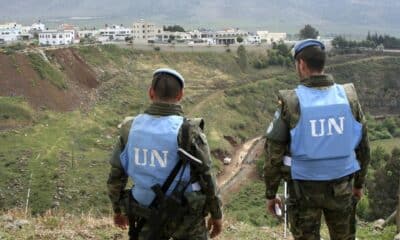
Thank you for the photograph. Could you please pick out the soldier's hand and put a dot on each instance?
(357, 192)
(121, 221)
(214, 226)
(271, 205)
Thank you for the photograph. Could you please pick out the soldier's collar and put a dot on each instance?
(164, 109)
(322, 80)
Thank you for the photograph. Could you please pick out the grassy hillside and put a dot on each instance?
(66, 153)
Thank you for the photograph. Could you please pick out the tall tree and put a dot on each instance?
(242, 57)
(308, 32)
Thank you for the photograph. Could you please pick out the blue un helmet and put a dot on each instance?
(299, 46)
(172, 72)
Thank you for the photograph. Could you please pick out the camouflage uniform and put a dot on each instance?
(206, 201)
(308, 199)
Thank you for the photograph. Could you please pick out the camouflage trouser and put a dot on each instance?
(308, 200)
(191, 226)
(353, 219)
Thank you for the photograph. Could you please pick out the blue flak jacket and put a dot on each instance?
(324, 140)
(151, 153)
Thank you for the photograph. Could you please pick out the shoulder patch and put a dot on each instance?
(125, 121)
(277, 129)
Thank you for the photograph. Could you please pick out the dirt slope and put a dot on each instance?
(18, 77)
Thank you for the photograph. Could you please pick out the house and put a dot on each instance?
(88, 33)
(56, 37)
(167, 36)
(270, 37)
(144, 31)
(229, 36)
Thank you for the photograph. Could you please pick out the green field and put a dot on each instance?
(387, 144)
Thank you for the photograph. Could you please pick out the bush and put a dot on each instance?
(363, 208)
(383, 189)
(157, 49)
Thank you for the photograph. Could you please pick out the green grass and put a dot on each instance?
(387, 144)
(47, 71)
(249, 206)
(15, 108)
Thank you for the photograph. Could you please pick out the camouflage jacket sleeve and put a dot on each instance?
(277, 142)
(363, 149)
(117, 178)
(201, 150)
(277, 138)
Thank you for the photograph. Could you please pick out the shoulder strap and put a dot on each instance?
(351, 96)
(185, 144)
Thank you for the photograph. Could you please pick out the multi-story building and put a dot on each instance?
(229, 36)
(10, 32)
(144, 31)
(56, 37)
(38, 27)
(115, 33)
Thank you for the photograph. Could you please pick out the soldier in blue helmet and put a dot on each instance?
(321, 126)
(147, 152)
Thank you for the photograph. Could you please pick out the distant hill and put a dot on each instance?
(339, 16)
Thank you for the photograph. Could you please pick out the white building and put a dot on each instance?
(56, 37)
(271, 37)
(38, 27)
(144, 31)
(88, 33)
(167, 36)
(115, 33)
(253, 39)
(10, 32)
(10, 35)
(229, 36)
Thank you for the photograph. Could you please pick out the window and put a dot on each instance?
(60, 36)
(144, 31)
(54, 36)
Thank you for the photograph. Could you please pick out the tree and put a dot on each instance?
(242, 57)
(308, 32)
(174, 28)
(239, 39)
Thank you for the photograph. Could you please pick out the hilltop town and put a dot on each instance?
(140, 32)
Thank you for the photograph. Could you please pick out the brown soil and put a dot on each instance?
(76, 69)
(18, 78)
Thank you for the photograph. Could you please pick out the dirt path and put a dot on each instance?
(241, 170)
(358, 61)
